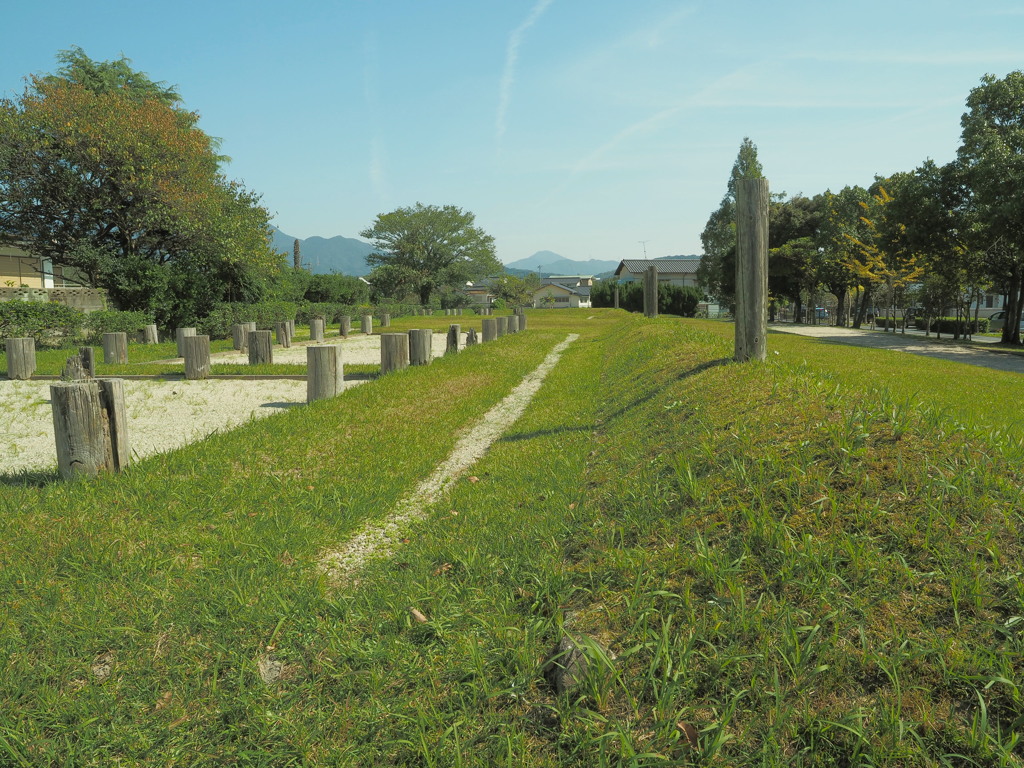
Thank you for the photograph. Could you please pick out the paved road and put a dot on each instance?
(915, 344)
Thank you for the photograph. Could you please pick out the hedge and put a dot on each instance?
(113, 321)
(49, 323)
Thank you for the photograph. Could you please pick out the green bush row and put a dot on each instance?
(953, 325)
(672, 299)
(55, 325)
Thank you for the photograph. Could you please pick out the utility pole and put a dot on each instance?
(644, 244)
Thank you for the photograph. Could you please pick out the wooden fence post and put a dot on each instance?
(283, 333)
(522, 321)
(291, 330)
(90, 427)
(73, 369)
(366, 324)
(261, 348)
(325, 375)
(616, 296)
(454, 332)
(150, 335)
(421, 346)
(238, 332)
(21, 357)
(490, 328)
(394, 352)
(751, 269)
(316, 329)
(197, 357)
(385, 320)
(471, 338)
(115, 348)
(502, 326)
(513, 324)
(179, 336)
(345, 325)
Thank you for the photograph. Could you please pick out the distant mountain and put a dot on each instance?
(323, 255)
(550, 263)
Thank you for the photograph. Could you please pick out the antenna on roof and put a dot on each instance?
(644, 244)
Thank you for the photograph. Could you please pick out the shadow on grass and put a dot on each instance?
(31, 478)
(697, 369)
(281, 405)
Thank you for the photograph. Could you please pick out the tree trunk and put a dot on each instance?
(862, 310)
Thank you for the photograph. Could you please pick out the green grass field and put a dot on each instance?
(817, 560)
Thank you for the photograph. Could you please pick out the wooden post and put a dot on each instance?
(316, 329)
(522, 321)
(502, 325)
(394, 352)
(345, 325)
(421, 346)
(283, 333)
(238, 332)
(197, 357)
(21, 357)
(261, 348)
(179, 336)
(366, 324)
(115, 348)
(73, 369)
(454, 332)
(90, 427)
(88, 355)
(385, 320)
(324, 372)
(471, 338)
(651, 292)
(751, 269)
(291, 330)
(513, 323)
(150, 335)
(490, 328)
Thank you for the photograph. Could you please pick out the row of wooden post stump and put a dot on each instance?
(89, 415)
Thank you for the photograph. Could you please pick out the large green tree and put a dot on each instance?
(992, 156)
(103, 170)
(424, 248)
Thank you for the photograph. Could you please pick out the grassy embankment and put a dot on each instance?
(816, 560)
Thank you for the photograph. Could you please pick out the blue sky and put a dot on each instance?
(581, 127)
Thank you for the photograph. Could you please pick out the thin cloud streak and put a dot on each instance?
(511, 59)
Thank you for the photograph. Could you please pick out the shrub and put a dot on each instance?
(49, 323)
(113, 321)
(218, 324)
(952, 325)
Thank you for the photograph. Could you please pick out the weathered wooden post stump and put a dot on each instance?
(88, 355)
(345, 325)
(249, 328)
(454, 332)
(394, 352)
(283, 333)
(150, 335)
(490, 328)
(421, 346)
(179, 336)
(651, 292)
(90, 427)
(324, 372)
(261, 348)
(513, 324)
(502, 325)
(316, 329)
(385, 320)
(616, 305)
(73, 369)
(197, 357)
(751, 269)
(238, 332)
(522, 320)
(21, 357)
(471, 338)
(115, 348)
(291, 329)
(366, 324)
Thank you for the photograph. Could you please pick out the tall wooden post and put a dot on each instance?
(394, 352)
(345, 325)
(238, 336)
(454, 332)
(283, 333)
(324, 372)
(316, 329)
(751, 269)
(115, 348)
(471, 337)
(421, 346)
(651, 292)
(90, 427)
(366, 324)
(21, 357)
(261, 348)
(490, 328)
(179, 337)
(616, 296)
(88, 355)
(197, 357)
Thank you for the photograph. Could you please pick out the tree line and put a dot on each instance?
(938, 236)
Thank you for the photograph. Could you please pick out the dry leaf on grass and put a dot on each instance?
(419, 617)
(690, 733)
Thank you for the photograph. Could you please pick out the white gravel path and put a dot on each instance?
(378, 539)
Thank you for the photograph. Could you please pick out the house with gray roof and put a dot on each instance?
(675, 270)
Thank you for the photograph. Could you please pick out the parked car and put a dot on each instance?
(997, 320)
